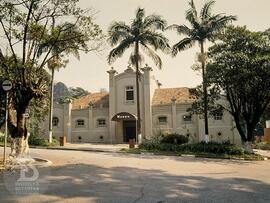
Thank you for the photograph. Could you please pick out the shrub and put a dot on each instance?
(174, 139)
(2, 138)
(38, 141)
(213, 148)
(149, 144)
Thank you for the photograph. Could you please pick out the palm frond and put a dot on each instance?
(219, 21)
(156, 40)
(119, 26)
(120, 49)
(116, 36)
(182, 45)
(140, 13)
(117, 32)
(148, 51)
(191, 14)
(206, 10)
(154, 21)
(181, 29)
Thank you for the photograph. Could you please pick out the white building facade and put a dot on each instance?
(111, 117)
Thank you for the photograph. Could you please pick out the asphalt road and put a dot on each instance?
(121, 178)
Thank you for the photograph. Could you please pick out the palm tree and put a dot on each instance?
(56, 62)
(143, 34)
(204, 27)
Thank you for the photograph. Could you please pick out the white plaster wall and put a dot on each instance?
(94, 132)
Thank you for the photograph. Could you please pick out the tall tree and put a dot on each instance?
(30, 39)
(204, 26)
(240, 68)
(143, 34)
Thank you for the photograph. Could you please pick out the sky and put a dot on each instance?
(90, 71)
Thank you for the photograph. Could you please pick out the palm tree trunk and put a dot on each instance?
(138, 91)
(51, 107)
(205, 103)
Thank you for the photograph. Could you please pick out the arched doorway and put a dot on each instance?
(129, 122)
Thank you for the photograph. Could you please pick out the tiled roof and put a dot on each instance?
(165, 95)
(95, 98)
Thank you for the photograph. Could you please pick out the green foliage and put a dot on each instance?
(37, 33)
(150, 145)
(240, 68)
(38, 141)
(202, 147)
(204, 26)
(142, 32)
(174, 138)
(213, 95)
(2, 138)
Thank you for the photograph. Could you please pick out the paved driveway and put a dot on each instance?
(121, 178)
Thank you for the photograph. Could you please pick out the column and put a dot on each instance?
(67, 121)
(112, 104)
(174, 114)
(147, 103)
(90, 118)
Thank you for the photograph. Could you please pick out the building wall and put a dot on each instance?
(91, 131)
(219, 130)
(112, 132)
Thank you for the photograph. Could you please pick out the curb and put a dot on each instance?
(72, 149)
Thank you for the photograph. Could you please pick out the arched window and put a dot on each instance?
(80, 123)
(55, 121)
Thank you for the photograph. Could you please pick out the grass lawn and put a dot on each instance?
(249, 157)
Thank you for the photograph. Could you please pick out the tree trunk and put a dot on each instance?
(248, 147)
(205, 103)
(138, 90)
(51, 107)
(19, 145)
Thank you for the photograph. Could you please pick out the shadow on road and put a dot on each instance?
(89, 183)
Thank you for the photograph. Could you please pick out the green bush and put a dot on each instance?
(38, 141)
(2, 139)
(174, 139)
(214, 148)
(149, 144)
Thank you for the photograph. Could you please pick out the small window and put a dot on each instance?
(129, 94)
(55, 121)
(101, 122)
(162, 120)
(218, 116)
(80, 123)
(187, 118)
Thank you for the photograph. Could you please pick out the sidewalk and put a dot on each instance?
(265, 153)
(90, 147)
